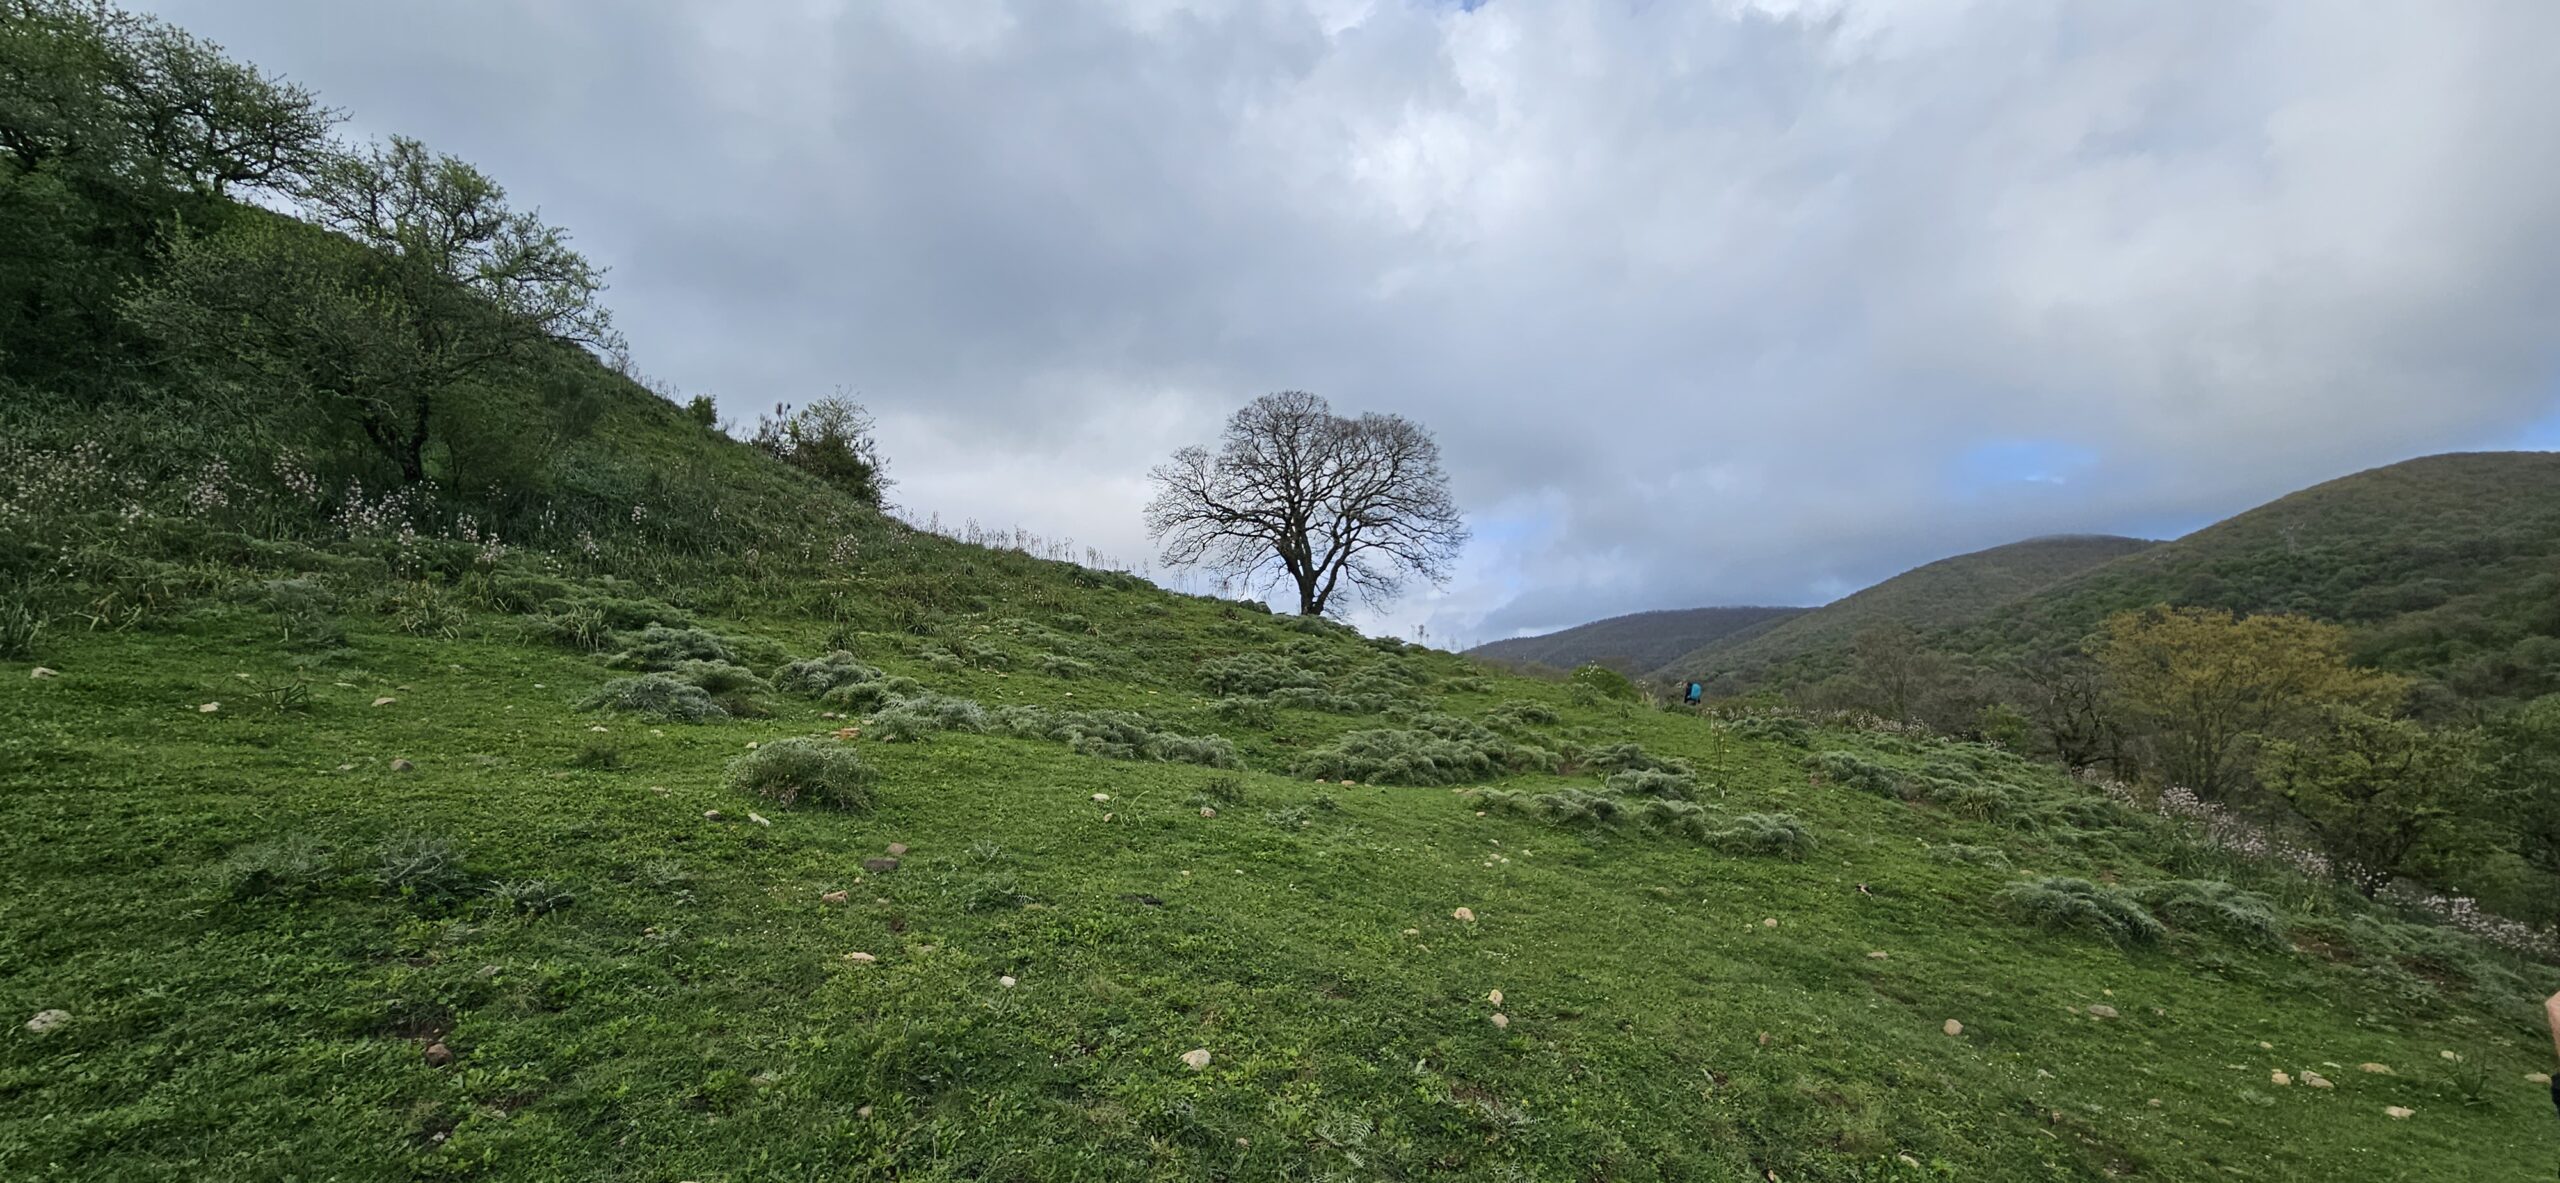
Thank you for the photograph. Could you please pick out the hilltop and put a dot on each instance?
(1950, 593)
(1634, 643)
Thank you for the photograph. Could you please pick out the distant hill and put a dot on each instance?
(2446, 566)
(1636, 642)
(1948, 594)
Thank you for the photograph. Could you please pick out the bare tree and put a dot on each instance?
(1295, 492)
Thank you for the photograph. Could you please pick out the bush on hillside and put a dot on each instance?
(420, 867)
(1254, 673)
(1595, 684)
(580, 627)
(1857, 772)
(1400, 758)
(1780, 729)
(1652, 782)
(660, 647)
(2058, 904)
(910, 720)
(788, 772)
(1562, 806)
(1244, 711)
(2213, 904)
(1980, 856)
(814, 676)
(1520, 713)
(1773, 835)
(1059, 665)
(658, 696)
(282, 868)
(424, 610)
(735, 687)
(1631, 757)
(871, 695)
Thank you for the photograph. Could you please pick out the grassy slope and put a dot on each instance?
(692, 1016)
(2446, 565)
(1636, 642)
(1949, 593)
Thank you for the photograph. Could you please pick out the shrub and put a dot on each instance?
(1563, 806)
(1400, 757)
(1521, 712)
(581, 627)
(1857, 772)
(1225, 790)
(1599, 683)
(597, 755)
(1254, 673)
(419, 866)
(1783, 729)
(1244, 710)
(2214, 904)
(1060, 666)
(658, 696)
(734, 687)
(787, 772)
(1981, 856)
(660, 647)
(815, 676)
(424, 610)
(990, 893)
(2059, 904)
(1631, 757)
(532, 897)
(869, 696)
(1776, 835)
(20, 625)
(283, 868)
(1652, 782)
(303, 608)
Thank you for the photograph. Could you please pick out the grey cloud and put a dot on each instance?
(1704, 300)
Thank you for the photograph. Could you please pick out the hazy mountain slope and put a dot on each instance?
(1949, 593)
(1635, 643)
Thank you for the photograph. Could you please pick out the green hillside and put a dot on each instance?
(1949, 593)
(2447, 567)
(426, 752)
(1634, 643)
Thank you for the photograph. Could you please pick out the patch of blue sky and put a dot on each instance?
(1994, 465)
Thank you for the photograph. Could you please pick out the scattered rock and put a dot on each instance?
(1007, 981)
(2265, 1046)
(208, 708)
(598, 729)
(346, 768)
(1502, 1020)
(48, 1020)
(2314, 1080)
(829, 715)
(1953, 1027)
(2102, 1011)
(897, 848)
(1197, 1058)
(41, 672)
(865, 1111)
(713, 815)
(2376, 1069)
(1907, 1161)
(2279, 1079)
(879, 864)
(1102, 796)
(1206, 811)
(488, 971)
(2449, 1057)
(2537, 1078)
(1771, 922)
(1494, 997)
(438, 1055)
(384, 701)
(1878, 955)
(758, 818)
(833, 897)
(2153, 1102)
(751, 745)
(2398, 1113)
(1413, 932)
(403, 765)
(863, 958)
(1465, 914)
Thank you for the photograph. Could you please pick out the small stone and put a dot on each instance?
(384, 701)
(1502, 1021)
(488, 971)
(346, 768)
(712, 815)
(751, 745)
(403, 765)
(829, 715)
(1953, 1027)
(2153, 1102)
(2312, 1079)
(1907, 1161)
(1197, 1058)
(1465, 914)
(833, 897)
(208, 708)
(438, 1055)
(2449, 1057)
(897, 848)
(1206, 811)
(1879, 955)
(2279, 1079)
(879, 864)
(1494, 997)
(2398, 1113)
(1413, 932)
(2101, 1011)
(2537, 1078)
(1102, 796)
(1007, 981)
(865, 1111)
(2265, 1046)
(863, 958)
(48, 1020)
(758, 818)
(2376, 1069)
(598, 729)
(1771, 922)
(42, 672)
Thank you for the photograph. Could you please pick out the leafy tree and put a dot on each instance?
(2383, 796)
(431, 290)
(2065, 701)
(1897, 670)
(1296, 492)
(830, 439)
(2203, 685)
(2522, 766)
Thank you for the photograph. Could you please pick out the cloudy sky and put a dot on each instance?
(1708, 302)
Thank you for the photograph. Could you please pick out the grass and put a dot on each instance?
(253, 919)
